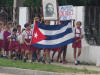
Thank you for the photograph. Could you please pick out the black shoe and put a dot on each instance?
(51, 60)
(21, 57)
(60, 61)
(78, 62)
(5, 57)
(14, 58)
(1, 56)
(43, 61)
(40, 59)
(25, 59)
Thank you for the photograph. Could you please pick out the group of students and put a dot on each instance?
(16, 44)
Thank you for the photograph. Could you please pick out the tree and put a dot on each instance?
(32, 3)
(6, 3)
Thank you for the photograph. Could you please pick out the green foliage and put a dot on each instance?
(6, 3)
(32, 3)
(73, 2)
(37, 3)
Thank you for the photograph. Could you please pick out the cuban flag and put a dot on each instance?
(52, 36)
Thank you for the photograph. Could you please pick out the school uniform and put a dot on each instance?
(5, 43)
(46, 49)
(20, 41)
(78, 33)
(28, 36)
(1, 38)
(13, 45)
(56, 49)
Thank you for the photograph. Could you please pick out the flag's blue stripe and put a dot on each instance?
(52, 27)
(52, 37)
(56, 45)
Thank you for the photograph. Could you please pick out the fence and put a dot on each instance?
(92, 24)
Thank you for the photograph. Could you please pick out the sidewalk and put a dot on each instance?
(5, 74)
(88, 67)
(17, 71)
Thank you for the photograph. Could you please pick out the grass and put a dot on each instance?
(43, 67)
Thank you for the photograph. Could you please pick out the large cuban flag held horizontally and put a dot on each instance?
(52, 36)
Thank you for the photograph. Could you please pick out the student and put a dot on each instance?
(1, 38)
(46, 55)
(27, 36)
(6, 33)
(77, 44)
(19, 37)
(18, 30)
(64, 51)
(21, 45)
(13, 45)
(54, 52)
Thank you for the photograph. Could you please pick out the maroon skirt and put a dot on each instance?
(56, 49)
(77, 44)
(5, 45)
(1, 44)
(13, 45)
(21, 46)
(34, 48)
(46, 49)
(27, 47)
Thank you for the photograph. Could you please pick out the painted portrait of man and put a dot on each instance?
(49, 9)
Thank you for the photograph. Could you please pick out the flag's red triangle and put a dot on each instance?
(37, 35)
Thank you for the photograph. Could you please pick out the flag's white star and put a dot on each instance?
(35, 35)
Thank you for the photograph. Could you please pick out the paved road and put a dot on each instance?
(5, 74)
(17, 71)
(88, 67)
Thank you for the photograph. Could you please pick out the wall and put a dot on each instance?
(23, 16)
(90, 54)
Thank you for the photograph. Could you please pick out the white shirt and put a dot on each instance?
(27, 34)
(20, 40)
(1, 34)
(78, 32)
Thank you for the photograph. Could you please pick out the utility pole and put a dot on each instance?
(14, 11)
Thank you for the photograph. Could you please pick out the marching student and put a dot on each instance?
(54, 52)
(36, 51)
(46, 55)
(27, 36)
(77, 44)
(13, 45)
(64, 51)
(1, 38)
(18, 30)
(6, 33)
(21, 45)
(19, 38)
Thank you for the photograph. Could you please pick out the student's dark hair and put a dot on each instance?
(14, 30)
(26, 25)
(79, 22)
(9, 23)
(23, 30)
(1, 22)
(18, 26)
